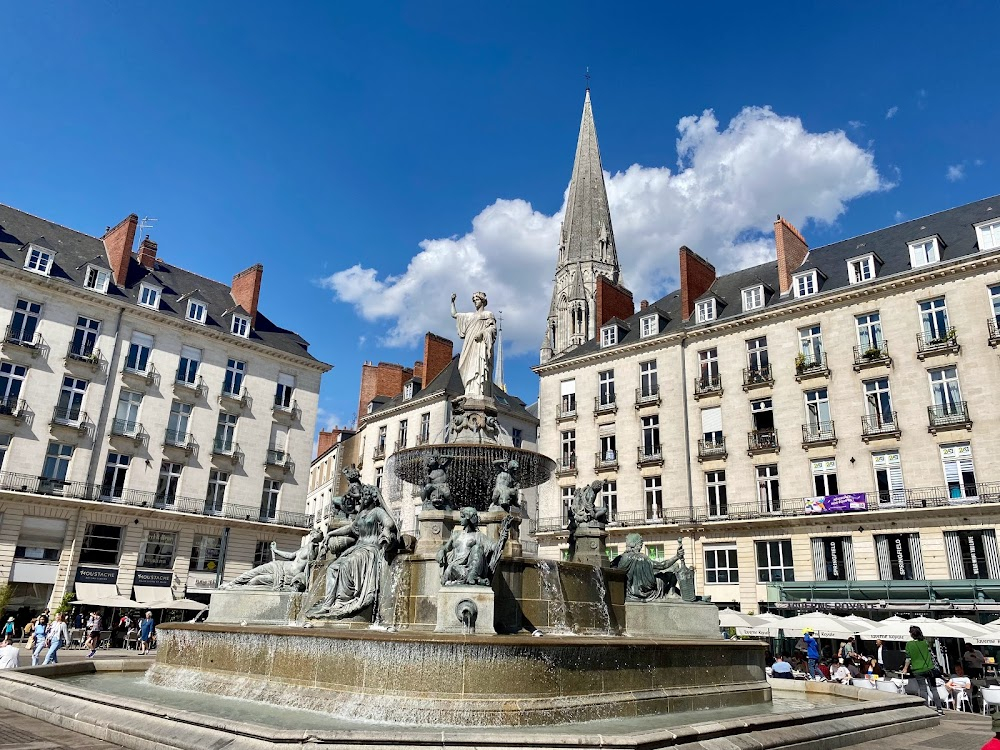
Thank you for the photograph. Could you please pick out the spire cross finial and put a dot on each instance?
(587, 76)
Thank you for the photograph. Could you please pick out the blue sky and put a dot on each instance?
(366, 156)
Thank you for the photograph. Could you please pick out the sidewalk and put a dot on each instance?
(70, 655)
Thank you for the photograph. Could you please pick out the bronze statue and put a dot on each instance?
(469, 557)
(506, 489)
(437, 492)
(287, 571)
(647, 579)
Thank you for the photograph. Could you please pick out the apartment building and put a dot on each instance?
(151, 419)
(334, 453)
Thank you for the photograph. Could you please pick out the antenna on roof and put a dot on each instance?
(146, 223)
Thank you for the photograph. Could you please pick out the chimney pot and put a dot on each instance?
(697, 277)
(246, 290)
(147, 253)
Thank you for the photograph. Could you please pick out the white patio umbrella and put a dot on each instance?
(966, 624)
(900, 629)
(862, 623)
(731, 618)
(822, 624)
(760, 630)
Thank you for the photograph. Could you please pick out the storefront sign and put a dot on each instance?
(96, 575)
(900, 557)
(973, 554)
(153, 578)
(834, 556)
(852, 501)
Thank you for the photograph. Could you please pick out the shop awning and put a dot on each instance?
(153, 596)
(101, 595)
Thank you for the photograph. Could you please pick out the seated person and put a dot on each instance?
(958, 682)
(852, 667)
(842, 674)
(824, 668)
(875, 670)
(781, 669)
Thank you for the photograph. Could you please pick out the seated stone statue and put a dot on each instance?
(288, 571)
(437, 492)
(346, 506)
(646, 579)
(506, 490)
(469, 557)
(584, 510)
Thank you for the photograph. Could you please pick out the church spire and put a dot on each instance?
(498, 367)
(586, 247)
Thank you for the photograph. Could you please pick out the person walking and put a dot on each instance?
(9, 654)
(812, 651)
(147, 629)
(974, 661)
(920, 664)
(94, 628)
(8, 629)
(58, 637)
(41, 628)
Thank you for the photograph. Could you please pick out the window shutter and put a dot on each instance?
(916, 557)
(286, 380)
(819, 559)
(189, 352)
(41, 532)
(953, 549)
(992, 557)
(142, 339)
(882, 551)
(711, 419)
(849, 559)
(605, 430)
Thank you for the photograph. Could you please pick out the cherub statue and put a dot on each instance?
(506, 489)
(584, 511)
(346, 506)
(437, 492)
(469, 557)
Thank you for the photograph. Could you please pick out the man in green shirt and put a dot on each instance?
(920, 664)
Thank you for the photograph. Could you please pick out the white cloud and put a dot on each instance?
(899, 216)
(891, 113)
(855, 124)
(955, 172)
(721, 201)
(978, 162)
(327, 420)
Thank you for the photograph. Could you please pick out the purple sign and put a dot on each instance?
(837, 503)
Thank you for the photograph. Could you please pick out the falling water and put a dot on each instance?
(395, 595)
(601, 611)
(552, 592)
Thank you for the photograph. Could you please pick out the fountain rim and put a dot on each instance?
(456, 450)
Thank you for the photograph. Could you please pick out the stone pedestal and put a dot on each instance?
(591, 547)
(489, 524)
(434, 529)
(452, 601)
(672, 618)
(258, 606)
(474, 420)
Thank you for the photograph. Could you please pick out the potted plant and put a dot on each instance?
(872, 353)
(800, 362)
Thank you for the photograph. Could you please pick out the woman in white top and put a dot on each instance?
(58, 636)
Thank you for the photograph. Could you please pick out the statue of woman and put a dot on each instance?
(287, 571)
(353, 579)
(479, 330)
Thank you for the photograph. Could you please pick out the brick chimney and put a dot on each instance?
(612, 301)
(118, 245)
(792, 252)
(327, 439)
(384, 379)
(246, 290)
(418, 371)
(697, 277)
(437, 355)
(147, 253)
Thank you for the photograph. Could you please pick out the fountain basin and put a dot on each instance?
(442, 679)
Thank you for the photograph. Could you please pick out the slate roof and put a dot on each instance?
(954, 227)
(449, 382)
(75, 250)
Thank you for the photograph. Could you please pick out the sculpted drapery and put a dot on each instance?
(479, 331)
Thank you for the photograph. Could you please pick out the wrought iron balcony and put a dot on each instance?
(279, 459)
(712, 449)
(238, 399)
(287, 413)
(757, 377)
(423, 439)
(399, 445)
(818, 433)
(948, 416)
(872, 356)
(190, 390)
(224, 448)
(566, 465)
(378, 452)
(705, 386)
(605, 461)
(880, 426)
(178, 439)
(129, 429)
(994, 335)
(567, 411)
(71, 417)
(811, 366)
(87, 356)
(762, 441)
(149, 376)
(33, 344)
(604, 407)
(13, 409)
(651, 455)
(937, 343)
(648, 396)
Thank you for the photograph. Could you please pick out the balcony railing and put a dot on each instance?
(179, 439)
(707, 386)
(757, 377)
(811, 366)
(604, 407)
(927, 497)
(239, 398)
(937, 343)
(13, 408)
(993, 337)
(194, 390)
(818, 433)
(880, 426)
(648, 396)
(423, 439)
(605, 461)
(378, 452)
(948, 416)
(711, 449)
(762, 441)
(566, 465)
(288, 412)
(872, 356)
(399, 445)
(566, 412)
(279, 459)
(229, 449)
(651, 455)
(130, 429)
(85, 355)
(150, 376)
(15, 338)
(72, 417)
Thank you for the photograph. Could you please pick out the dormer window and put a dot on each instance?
(196, 311)
(861, 269)
(149, 296)
(408, 391)
(371, 407)
(240, 326)
(989, 234)
(38, 260)
(924, 252)
(648, 325)
(97, 279)
(805, 284)
(753, 298)
(705, 311)
(609, 336)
